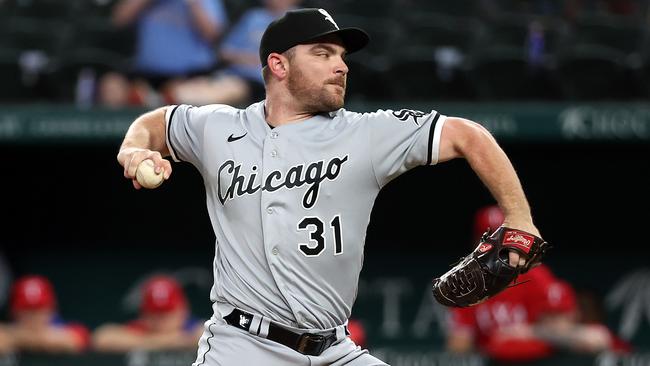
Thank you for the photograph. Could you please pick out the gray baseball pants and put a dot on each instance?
(225, 345)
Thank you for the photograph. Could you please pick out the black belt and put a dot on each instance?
(305, 343)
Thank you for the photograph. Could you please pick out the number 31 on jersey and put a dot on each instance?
(316, 229)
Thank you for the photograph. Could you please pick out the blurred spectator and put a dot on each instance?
(240, 82)
(5, 279)
(175, 41)
(35, 325)
(164, 322)
(592, 311)
(6, 344)
(527, 322)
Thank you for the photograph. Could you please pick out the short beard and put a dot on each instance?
(312, 98)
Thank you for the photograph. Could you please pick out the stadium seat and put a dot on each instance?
(385, 34)
(515, 30)
(435, 47)
(641, 76)
(42, 9)
(621, 33)
(66, 70)
(454, 8)
(508, 31)
(96, 8)
(614, 49)
(420, 74)
(101, 33)
(546, 8)
(367, 78)
(440, 30)
(5, 11)
(590, 72)
(371, 8)
(35, 34)
(14, 89)
(505, 73)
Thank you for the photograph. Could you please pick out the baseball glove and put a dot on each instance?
(487, 271)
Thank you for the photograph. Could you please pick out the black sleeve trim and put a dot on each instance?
(432, 129)
(169, 123)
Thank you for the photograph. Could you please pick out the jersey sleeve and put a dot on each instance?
(401, 140)
(185, 127)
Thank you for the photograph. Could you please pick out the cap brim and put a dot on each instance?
(353, 39)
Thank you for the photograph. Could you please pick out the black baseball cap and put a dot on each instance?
(303, 25)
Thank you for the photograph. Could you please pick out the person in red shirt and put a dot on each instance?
(526, 322)
(36, 326)
(357, 332)
(164, 322)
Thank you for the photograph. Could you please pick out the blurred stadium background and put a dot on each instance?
(563, 85)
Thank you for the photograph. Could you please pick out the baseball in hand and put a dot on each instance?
(146, 175)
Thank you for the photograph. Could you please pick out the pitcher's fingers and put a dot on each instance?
(126, 167)
(513, 258)
(166, 167)
(155, 157)
(136, 185)
(135, 160)
(161, 165)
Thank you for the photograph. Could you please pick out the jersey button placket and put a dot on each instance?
(274, 135)
(272, 237)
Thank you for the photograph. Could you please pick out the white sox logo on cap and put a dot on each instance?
(328, 17)
(301, 26)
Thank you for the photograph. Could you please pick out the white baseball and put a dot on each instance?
(146, 175)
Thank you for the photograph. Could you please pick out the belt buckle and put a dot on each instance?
(311, 344)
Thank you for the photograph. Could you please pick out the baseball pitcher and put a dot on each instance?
(290, 183)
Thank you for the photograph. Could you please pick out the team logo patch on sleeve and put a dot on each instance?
(404, 114)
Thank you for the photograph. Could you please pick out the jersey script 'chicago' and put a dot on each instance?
(290, 205)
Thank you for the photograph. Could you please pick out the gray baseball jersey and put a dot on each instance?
(290, 205)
